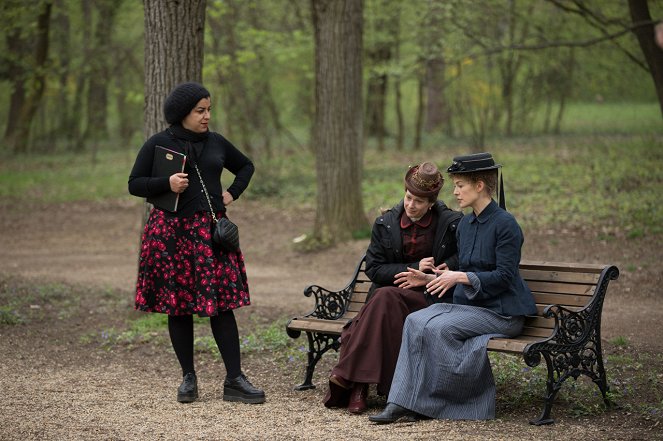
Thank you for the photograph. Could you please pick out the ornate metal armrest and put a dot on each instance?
(573, 329)
(329, 305)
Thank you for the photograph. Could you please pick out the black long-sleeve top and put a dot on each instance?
(212, 155)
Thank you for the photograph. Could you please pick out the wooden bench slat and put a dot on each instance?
(562, 266)
(536, 332)
(506, 345)
(359, 297)
(541, 306)
(559, 276)
(540, 322)
(318, 325)
(560, 299)
(355, 306)
(562, 288)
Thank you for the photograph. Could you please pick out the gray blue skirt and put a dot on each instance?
(443, 369)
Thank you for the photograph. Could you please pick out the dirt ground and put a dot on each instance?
(56, 387)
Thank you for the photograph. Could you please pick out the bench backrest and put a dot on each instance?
(360, 289)
(571, 285)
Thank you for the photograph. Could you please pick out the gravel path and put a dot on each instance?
(57, 388)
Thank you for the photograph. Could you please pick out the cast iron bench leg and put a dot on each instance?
(318, 344)
(552, 387)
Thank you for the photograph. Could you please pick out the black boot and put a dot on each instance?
(394, 412)
(241, 389)
(188, 390)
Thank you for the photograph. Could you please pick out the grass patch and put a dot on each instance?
(24, 302)
(152, 329)
(66, 177)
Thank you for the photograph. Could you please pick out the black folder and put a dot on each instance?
(166, 163)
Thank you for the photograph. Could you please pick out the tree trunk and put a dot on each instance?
(28, 91)
(244, 115)
(376, 102)
(171, 27)
(437, 112)
(173, 53)
(337, 133)
(97, 94)
(653, 54)
(419, 121)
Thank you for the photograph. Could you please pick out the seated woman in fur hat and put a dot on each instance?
(417, 233)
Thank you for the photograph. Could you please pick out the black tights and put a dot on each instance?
(226, 335)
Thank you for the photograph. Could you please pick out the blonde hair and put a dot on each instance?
(488, 177)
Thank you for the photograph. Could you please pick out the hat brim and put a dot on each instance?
(458, 172)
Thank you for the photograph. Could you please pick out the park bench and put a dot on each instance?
(565, 332)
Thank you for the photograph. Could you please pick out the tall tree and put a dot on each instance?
(438, 111)
(28, 55)
(640, 14)
(337, 132)
(383, 24)
(174, 33)
(174, 36)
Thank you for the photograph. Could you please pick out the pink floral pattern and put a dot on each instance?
(182, 271)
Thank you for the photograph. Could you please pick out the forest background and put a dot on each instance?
(439, 79)
(565, 93)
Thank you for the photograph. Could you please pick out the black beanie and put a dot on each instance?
(181, 100)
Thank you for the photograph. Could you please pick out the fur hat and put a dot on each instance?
(181, 100)
(424, 180)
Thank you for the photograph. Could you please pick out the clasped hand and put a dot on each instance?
(413, 278)
(444, 281)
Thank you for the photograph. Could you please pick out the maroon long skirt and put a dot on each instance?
(371, 342)
(183, 272)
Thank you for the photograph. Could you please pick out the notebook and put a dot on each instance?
(166, 163)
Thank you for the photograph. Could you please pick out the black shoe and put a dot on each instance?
(188, 390)
(392, 413)
(240, 389)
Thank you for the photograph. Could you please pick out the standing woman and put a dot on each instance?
(182, 271)
(443, 369)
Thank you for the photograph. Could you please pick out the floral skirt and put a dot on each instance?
(182, 271)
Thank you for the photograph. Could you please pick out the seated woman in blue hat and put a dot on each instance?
(443, 369)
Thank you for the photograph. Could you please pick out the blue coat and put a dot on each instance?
(489, 246)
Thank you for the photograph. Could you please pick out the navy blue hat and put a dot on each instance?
(182, 100)
(473, 163)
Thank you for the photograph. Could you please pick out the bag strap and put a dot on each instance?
(205, 190)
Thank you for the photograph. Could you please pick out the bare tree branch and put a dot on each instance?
(558, 44)
(600, 23)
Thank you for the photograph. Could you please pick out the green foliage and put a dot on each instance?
(620, 341)
(9, 315)
(65, 177)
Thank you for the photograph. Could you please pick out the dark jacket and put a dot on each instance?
(384, 257)
(212, 156)
(489, 246)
